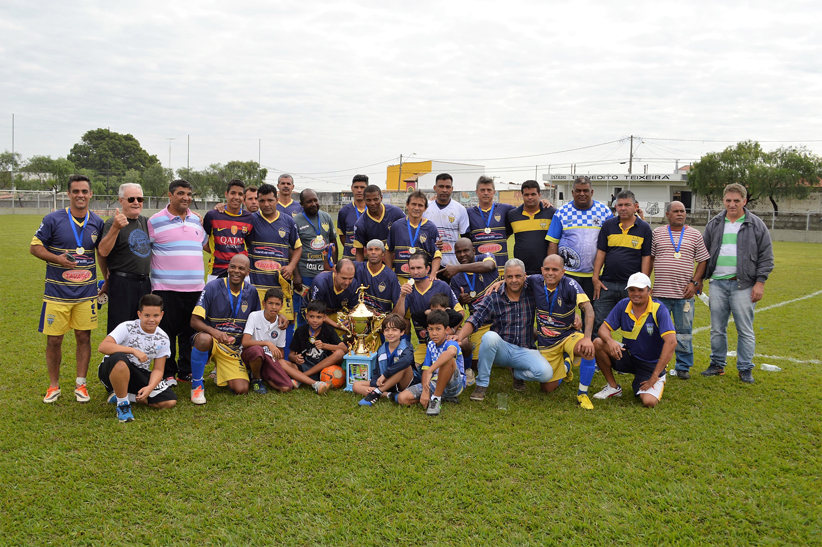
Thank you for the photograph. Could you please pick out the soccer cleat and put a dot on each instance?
(124, 412)
(371, 398)
(321, 387)
(470, 377)
(198, 396)
(746, 376)
(81, 394)
(479, 393)
(258, 387)
(683, 374)
(171, 380)
(584, 401)
(519, 385)
(52, 394)
(713, 370)
(609, 391)
(434, 407)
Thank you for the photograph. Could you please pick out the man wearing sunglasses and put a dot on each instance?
(125, 256)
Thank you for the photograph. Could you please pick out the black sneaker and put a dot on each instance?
(519, 385)
(184, 378)
(372, 397)
(259, 387)
(746, 376)
(683, 374)
(713, 370)
(455, 400)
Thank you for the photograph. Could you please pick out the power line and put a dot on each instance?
(535, 155)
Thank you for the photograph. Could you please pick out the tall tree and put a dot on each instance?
(9, 162)
(110, 153)
(787, 172)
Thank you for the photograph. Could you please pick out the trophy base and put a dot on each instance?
(358, 367)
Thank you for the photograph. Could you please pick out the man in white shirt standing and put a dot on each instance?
(450, 217)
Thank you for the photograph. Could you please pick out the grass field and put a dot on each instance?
(716, 463)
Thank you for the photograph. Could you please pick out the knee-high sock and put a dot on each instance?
(199, 360)
(586, 374)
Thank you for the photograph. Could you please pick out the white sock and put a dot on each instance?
(435, 398)
(121, 400)
(79, 381)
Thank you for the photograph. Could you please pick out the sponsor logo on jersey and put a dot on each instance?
(267, 265)
(489, 248)
(446, 247)
(404, 268)
(548, 332)
(77, 275)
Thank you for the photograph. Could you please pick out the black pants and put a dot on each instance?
(176, 323)
(124, 294)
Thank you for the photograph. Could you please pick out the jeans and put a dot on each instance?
(299, 313)
(726, 298)
(684, 324)
(528, 364)
(607, 301)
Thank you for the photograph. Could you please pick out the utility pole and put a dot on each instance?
(399, 177)
(259, 160)
(188, 154)
(631, 158)
(169, 139)
(12, 158)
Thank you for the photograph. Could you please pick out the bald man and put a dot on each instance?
(674, 251)
(219, 319)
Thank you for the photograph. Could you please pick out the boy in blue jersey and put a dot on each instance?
(66, 240)
(443, 371)
(394, 369)
(219, 319)
(649, 337)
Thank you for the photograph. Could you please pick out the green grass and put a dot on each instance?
(718, 462)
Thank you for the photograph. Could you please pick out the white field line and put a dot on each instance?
(772, 306)
(775, 357)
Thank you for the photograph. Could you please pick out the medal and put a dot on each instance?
(490, 215)
(312, 339)
(473, 294)
(677, 255)
(318, 241)
(80, 251)
(472, 284)
(412, 250)
(488, 230)
(678, 245)
(411, 281)
(413, 238)
(78, 237)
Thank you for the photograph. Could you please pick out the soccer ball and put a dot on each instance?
(334, 375)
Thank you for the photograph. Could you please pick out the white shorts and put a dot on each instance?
(656, 390)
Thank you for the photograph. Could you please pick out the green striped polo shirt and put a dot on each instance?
(726, 262)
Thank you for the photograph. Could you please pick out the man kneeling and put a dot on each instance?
(649, 337)
(129, 350)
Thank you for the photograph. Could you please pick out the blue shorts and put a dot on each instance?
(642, 370)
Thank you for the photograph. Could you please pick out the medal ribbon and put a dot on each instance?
(416, 234)
(551, 301)
(671, 235)
(490, 215)
(472, 281)
(235, 309)
(317, 227)
(77, 238)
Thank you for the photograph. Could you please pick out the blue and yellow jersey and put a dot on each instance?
(417, 302)
(56, 234)
(224, 313)
(575, 231)
(399, 242)
(433, 353)
(269, 247)
(642, 335)
(227, 235)
(383, 287)
(346, 219)
(463, 281)
(495, 241)
(529, 231)
(292, 209)
(624, 248)
(555, 317)
(368, 227)
(323, 289)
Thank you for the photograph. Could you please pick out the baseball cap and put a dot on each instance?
(639, 280)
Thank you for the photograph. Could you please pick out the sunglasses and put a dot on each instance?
(133, 199)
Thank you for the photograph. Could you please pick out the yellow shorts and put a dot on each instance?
(555, 358)
(419, 353)
(229, 364)
(476, 340)
(288, 303)
(57, 318)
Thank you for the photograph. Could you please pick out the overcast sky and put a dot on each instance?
(340, 85)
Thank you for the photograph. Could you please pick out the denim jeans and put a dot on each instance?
(607, 301)
(726, 298)
(684, 324)
(528, 364)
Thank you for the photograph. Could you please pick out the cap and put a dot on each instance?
(639, 280)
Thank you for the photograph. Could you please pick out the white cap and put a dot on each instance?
(639, 280)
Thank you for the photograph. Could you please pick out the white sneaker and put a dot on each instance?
(198, 396)
(171, 381)
(609, 391)
(470, 379)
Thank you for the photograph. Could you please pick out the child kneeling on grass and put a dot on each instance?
(394, 369)
(443, 371)
(264, 349)
(129, 350)
(315, 346)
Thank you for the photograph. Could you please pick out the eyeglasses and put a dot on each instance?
(132, 199)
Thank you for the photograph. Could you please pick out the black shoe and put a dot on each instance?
(372, 397)
(519, 385)
(185, 378)
(454, 400)
(713, 370)
(683, 374)
(746, 376)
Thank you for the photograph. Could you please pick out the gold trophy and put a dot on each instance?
(364, 326)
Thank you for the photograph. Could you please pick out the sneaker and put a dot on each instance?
(171, 380)
(470, 377)
(198, 396)
(746, 376)
(713, 370)
(258, 387)
(185, 378)
(479, 393)
(584, 401)
(295, 384)
(455, 400)
(52, 394)
(519, 385)
(371, 398)
(434, 407)
(81, 394)
(609, 391)
(124, 413)
(321, 387)
(111, 398)
(683, 374)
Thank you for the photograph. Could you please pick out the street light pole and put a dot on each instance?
(169, 139)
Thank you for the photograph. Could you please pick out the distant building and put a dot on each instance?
(421, 175)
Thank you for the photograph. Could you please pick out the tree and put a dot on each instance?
(110, 154)
(783, 173)
(155, 180)
(9, 162)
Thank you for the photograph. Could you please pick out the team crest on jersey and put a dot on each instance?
(635, 242)
(293, 214)
(649, 328)
(281, 232)
(274, 334)
(597, 221)
(325, 226)
(497, 217)
(559, 301)
(234, 230)
(451, 218)
(344, 303)
(244, 306)
(94, 236)
(423, 238)
(389, 225)
(381, 287)
(245, 229)
(50, 319)
(543, 225)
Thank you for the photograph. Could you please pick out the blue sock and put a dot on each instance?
(289, 334)
(199, 360)
(586, 374)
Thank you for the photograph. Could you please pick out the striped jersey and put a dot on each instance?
(641, 335)
(225, 313)
(399, 242)
(269, 247)
(346, 219)
(176, 252)
(726, 262)
(555, 308)
(495, 241)
(383, 287)
(529, 231)
(672, 275)
(575, 232)
(227, 236)
(57, 234)
(452, 222)
(623, 248)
